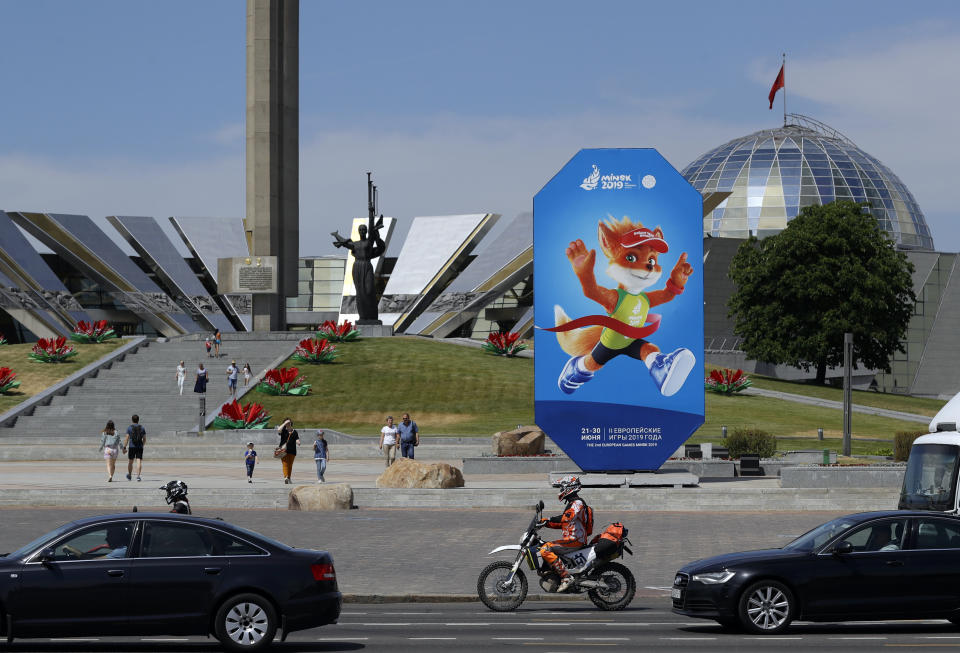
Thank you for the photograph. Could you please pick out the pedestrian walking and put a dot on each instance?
(209, 346)
(321, 454)
(232, 379)
(247, 374)
(181, 375)
(388, 439)
(409, 436)
(250, 459)
(217, 338)
(133, 444)
(110, 446)
(200, 384)
(287, 451)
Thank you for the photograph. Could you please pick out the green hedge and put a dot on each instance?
(746, 440)
(902, 441)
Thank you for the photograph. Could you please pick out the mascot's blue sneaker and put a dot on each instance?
(669, 371)
(571, 377)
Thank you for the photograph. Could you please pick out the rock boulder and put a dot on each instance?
(406, 473)
(522, 441)
(335, 496)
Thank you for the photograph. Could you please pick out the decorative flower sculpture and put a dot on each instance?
(726, 382)
(333, 332)
(3, 339)
(52, 350)
(235, 416)
(284, 381)
(504, 344)
(7, 380)
(315, 351)
(92, 331)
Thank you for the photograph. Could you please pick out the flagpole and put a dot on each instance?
(784, 68)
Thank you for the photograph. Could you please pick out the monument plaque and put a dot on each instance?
(256, 275)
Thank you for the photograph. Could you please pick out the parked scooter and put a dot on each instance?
(502, 585)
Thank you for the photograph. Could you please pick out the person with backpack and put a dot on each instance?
(133, 443)
(575, 524)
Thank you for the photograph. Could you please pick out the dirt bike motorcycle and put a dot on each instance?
(502, 585)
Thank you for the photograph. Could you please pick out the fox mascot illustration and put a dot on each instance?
(632, 251)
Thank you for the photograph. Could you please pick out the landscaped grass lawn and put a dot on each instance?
(902, 403)
(34, 376)
(446, 388)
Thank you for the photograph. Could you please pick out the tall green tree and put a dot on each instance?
(831, 271)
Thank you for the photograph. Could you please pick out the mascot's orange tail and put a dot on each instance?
(577, 342)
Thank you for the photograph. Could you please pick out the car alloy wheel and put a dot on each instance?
(246, 623)
(766, 607)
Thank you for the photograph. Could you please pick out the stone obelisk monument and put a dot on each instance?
(273, 142)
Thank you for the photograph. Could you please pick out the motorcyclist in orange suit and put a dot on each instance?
(573, 528)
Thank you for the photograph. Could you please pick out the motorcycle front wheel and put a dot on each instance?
(495, 593)
(619, 589)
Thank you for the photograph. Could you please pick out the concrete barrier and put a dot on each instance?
(815, 476)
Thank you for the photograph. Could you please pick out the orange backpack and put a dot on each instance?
(615, 532)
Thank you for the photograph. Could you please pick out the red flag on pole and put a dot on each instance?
(777, 85)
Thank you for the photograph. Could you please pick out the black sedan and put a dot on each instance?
(164, 574)
(875, 565)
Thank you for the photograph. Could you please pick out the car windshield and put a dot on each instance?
(820, 535)
(32, 546)
(931, 478)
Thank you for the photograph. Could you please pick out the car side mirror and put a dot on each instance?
(47, 556)
(843, 547)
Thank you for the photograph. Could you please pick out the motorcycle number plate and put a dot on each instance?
(676, 593)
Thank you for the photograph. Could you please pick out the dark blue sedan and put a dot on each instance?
(164, 574)
(874, 565)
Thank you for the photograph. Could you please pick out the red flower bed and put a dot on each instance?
(315, 351)
(504, 344)
(727, 382)
(8, 380)
(92, 331)
(333, 332)
(52, 350)
(284, 381)
(235, 416)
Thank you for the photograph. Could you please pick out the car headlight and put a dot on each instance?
(714, 577)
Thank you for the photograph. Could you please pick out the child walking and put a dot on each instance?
(247, 374)
(250, 458)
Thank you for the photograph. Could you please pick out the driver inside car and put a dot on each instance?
(117, 539)
(573, 529)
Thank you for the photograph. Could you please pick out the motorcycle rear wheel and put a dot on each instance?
(494, 593)
(622, 587)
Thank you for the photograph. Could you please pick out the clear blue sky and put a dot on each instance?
(119, 107)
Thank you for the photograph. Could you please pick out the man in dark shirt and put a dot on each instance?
(134, 443)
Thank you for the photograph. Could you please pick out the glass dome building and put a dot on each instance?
(773, 173)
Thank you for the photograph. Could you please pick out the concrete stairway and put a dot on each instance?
(143, 383)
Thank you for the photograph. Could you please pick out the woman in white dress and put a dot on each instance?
(181, 375)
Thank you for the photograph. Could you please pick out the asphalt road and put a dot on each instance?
(433, 553)
(547, 627)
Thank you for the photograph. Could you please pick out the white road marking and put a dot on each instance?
(74, 639)
(408, 613)
(519, 638)
(419, 638)
(605, 639)
(845, 638)
(342, 639)
(767, 638)
(678, 639)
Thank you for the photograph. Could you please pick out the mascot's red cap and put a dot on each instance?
(643, 236)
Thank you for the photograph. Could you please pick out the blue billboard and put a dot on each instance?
(618, 301)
